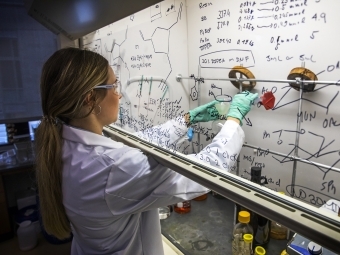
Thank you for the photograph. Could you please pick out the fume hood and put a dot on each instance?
(76, 18)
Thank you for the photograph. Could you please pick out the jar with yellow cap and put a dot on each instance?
(240, 230)
(247, 245)
(259, 250)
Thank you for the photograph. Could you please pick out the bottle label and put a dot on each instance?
(184, 204)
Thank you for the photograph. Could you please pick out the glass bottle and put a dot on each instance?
(260, 224)
(262, 229)
(240, 229)
(277, 230)
(247, 248)
(183, 207)
(164, 212)
(201, 198)
(260, 251)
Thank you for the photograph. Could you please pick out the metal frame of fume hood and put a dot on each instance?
(299, 82)
(300, 217)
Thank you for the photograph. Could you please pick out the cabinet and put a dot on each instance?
(5, 230)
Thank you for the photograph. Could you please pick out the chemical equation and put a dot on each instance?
(302, 57)
(284, 13)
(227, 59)
(160, 42)
(222, 18)
(247, 13)
(319, 153)
(312, 196)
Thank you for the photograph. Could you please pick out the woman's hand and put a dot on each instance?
(241, 105)
(204, 113)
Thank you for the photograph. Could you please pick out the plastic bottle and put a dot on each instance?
(27, 236)
(278, 231)
(314, 248)
(183, 207)
(259, 251)
(240, 229)
(267, 100)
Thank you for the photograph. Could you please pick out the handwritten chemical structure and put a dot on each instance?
(296, 142)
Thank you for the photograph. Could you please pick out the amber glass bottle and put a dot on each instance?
(183, 207)
(201, 198)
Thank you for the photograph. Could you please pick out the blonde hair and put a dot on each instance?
(68, 77)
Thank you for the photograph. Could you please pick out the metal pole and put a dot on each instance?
(199, 103)
(179, 77)
(297, 136)
(294, 158)
(240, 82)
(297, 139)
(238, 157)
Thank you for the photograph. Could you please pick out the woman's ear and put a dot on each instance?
(89, 99)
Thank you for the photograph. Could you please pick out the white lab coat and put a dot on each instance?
(111, 192)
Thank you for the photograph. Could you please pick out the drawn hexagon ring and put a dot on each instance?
(137, 79)
(194, 94)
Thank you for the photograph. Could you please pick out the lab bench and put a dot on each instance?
(207, 229)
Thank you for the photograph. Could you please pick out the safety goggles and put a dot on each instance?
(115, 86)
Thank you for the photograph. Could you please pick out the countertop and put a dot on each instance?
(6, 168)
(207, 229)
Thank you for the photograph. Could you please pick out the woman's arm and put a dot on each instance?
(166, 134)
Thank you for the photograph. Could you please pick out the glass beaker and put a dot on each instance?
(222, 107)
(164, 212)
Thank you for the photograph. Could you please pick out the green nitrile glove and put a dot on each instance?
(241, 105)
(204, 113)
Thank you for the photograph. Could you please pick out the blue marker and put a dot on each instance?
(190, 134)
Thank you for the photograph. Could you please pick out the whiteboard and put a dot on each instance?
(146, 52)
(207, 39)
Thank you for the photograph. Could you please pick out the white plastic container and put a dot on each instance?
(27, 236)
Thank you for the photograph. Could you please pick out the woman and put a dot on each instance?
(107, 193)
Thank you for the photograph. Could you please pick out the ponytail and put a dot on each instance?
(49, 178)
(67, 78)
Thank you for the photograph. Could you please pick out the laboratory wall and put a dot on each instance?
(203, 41)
